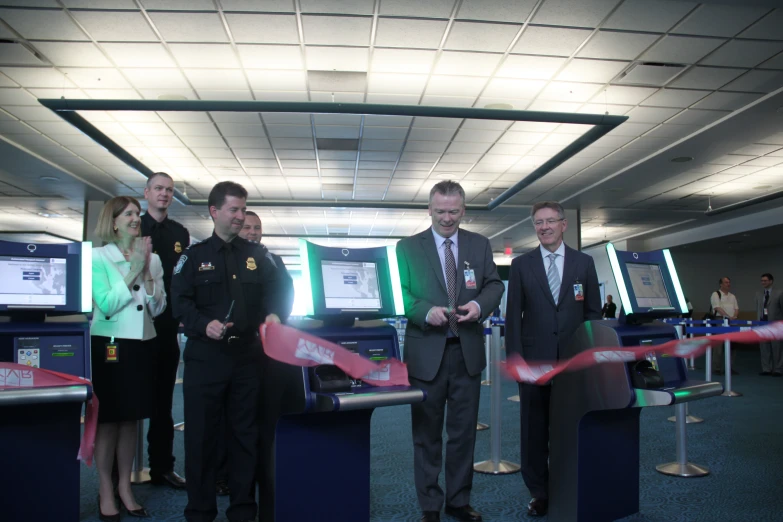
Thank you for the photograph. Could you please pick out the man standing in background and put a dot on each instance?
(768, 308)
(610, 309)
(724, 306)
(169, 240)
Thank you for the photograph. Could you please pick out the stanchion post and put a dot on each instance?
(727, 367)
(487, 342)
(689, 419)
(681, 467)
(139, 474)
(495, 466)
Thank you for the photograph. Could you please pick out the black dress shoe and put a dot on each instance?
(538, 507)
(430, 516)
(221, 488)
(776, 374)
(464, 513)
(765, 373)
(169, 478)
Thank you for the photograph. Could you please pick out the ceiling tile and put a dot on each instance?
(138, 54)
(270, 56)
(648, 15)
(156, 78)
(550, 41)
(337, 58)
(569, 92)
(617, 95)
(396, 83)
(116, 26)
(112, 94)
(577, 13)
(402, 61)
(189, 27)
(675, 98)
(530, 67)
(618, 46)
(393, 99)
(393, 32)
(726, 101)
(37, 77)
(711, 78)
(757, 81)
(89, 78)
(776, 62)
(12, 53)
(11, 96)
(336, 30)
(162, 94)
(506, 88)
(720, 20)
(597, 71)
(448, 101)
(681, 49)
(767, 28)
(468, 64)
(216, 56)
(429, 9)
(298, 96)
(337, 97)
(358, 7)
(42, 24)
(743, 53)
(278, 29)
(179, 5)
(455, 86)
(697, 117)
(475, 36)
(496, 10)
(216, 79)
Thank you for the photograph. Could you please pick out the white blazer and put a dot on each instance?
(119, 311)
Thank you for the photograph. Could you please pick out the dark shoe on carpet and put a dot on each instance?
(765, 373)
(430, 516)
(168, 479)
(137, 513)
(776, 374)
(464, 513)
(221, 487)
(107, 518)
(538, 507)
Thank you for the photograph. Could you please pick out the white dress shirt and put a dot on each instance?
(559, 260)
(441, 248)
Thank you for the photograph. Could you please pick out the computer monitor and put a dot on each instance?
(647, 284)
(48, 278)
(361, 283)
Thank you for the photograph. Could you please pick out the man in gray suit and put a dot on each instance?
(768, 308)
(551, 291)
(449, 284)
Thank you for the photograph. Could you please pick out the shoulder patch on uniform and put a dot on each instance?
(180, 264)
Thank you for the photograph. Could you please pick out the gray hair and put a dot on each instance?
(447, 188)
(553, 205)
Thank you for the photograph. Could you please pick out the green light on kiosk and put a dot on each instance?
(625, 300)
(63, 354)
(677, 288)
(394, 273)
(306, 281)
(86, 276)
(682, 393)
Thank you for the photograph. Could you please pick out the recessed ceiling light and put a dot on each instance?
(49, 178)
(172, 97)
(682, 159)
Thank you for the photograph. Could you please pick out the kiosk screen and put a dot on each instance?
(648, 286)
(33, 281)
(351, 285)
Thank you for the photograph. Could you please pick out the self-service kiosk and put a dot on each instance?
(321, 417)
(45, 300)
(594, 432)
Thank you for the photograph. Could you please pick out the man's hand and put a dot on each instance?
(216, 331)
(272, 318)
(437, 316)
(472, 314)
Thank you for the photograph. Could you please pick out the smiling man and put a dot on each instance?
(551, 291)
(449, 285)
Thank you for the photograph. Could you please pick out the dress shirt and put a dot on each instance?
(559, 260)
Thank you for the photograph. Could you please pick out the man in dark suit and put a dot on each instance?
(610, 309)
(551, 291)
(449, 284)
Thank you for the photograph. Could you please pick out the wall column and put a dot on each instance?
(573, 236)
(92, 209)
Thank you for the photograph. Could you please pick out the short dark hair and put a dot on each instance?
(447, 188)
(156, 175)
(217, 196)
(553, 205)
(251, 213)
(768, 276)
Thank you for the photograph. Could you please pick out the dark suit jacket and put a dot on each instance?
(423, 286)
(546, 327)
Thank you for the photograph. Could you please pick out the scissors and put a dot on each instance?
(228, 316)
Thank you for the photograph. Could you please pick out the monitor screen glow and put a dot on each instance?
(33, 281)
(351, 285)
(648, 285)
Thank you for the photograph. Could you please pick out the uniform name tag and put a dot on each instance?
(206, 266)
(112, 353)
(470, 279)
(579, 293)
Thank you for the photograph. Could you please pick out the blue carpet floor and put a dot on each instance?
(741, 441)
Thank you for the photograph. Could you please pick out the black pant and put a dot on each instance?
(534, 437)
(221, 379)
(160, 435)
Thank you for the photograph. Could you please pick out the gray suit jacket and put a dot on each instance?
(774, 306)
(547, 327)
(423, 286)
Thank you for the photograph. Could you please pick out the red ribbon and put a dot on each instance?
(41, 378)
(541, 372)
(292, 346)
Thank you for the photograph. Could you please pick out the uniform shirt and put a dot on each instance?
(169, 240)
(212, 273)
(726, 301)
(287, 284)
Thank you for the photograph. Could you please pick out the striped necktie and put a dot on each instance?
(553, 277)
(451, 285)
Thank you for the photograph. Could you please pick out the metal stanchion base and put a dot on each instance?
(82, 420)
(692, 367)
(731, 393)
(514, 398)
(502, 468)
(486, 383)
(178, 381)
(180, 426)
(690, 419)
(481, 426)
(688, 469)
(141, 476)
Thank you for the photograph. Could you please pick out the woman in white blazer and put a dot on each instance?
(127, 292)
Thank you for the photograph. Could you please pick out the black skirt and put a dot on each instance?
(125, 388)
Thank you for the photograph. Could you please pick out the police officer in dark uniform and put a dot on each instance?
(223, 354)
(169, 239)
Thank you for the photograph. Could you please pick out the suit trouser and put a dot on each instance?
(160, 435)
(534, 437)
(221, 379)
(771, 357)
(453, 385)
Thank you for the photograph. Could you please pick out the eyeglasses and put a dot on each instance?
(550, 222)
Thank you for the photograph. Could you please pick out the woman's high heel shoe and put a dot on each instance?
(138, 513)
(107, 518)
